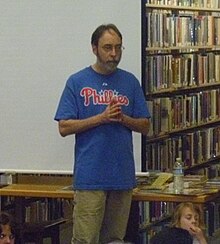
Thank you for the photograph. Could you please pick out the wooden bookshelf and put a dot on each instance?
(181, 81)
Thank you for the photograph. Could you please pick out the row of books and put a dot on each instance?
(183, 111)
(194, 148)
(185, 70)
(44, 209)
(173, 30)
(152, 213)
(212, 217)
(188, 3)
(39, 209)
(155, 211)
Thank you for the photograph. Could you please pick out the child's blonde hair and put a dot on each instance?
(179, 210)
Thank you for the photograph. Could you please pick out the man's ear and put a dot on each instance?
(95, 49)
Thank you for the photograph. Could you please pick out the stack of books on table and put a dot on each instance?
(194, 180)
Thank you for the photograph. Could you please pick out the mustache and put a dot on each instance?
(113, 62)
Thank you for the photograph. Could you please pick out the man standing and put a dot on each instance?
(102, 105)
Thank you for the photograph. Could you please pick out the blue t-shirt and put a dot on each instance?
(104, 154)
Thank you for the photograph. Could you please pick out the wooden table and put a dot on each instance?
(153, 196)
(37, 190)
(62, 191)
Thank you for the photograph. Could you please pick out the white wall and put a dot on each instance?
(42, 42)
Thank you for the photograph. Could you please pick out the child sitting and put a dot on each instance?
(187, 226)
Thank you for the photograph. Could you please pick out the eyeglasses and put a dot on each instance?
(110, 48)
(11, 237)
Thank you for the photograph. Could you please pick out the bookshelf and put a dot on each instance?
(39, 203)
(181, 81)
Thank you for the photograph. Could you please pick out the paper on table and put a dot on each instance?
(142, 173)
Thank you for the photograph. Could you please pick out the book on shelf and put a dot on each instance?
(184, 70)
(183, 111)
(209, 218)
(179, 30)
(195, 148)
(45, 209)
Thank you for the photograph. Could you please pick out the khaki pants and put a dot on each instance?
(100, 216)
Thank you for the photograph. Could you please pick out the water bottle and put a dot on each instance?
(178, 174)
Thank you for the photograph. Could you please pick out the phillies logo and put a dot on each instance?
(102, 97)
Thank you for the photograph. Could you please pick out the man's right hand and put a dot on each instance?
(113, 112)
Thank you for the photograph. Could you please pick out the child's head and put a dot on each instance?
(7, 229)
(186, 215)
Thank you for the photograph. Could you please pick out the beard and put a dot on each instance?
(109, 66)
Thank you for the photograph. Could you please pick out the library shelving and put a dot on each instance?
(41, 204)
(181, 81)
